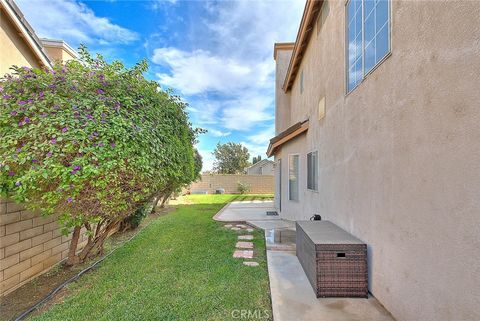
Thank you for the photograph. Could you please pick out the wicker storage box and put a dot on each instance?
(334, 261)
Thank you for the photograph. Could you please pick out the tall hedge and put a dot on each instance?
(92, 142)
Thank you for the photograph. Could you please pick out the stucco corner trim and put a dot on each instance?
(282, 46)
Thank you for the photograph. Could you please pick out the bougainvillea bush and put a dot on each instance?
(91, 142)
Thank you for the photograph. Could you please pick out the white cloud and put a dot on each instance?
(255, 149)
(257, 143)
(74, 22)
(207, 158)
(201, 71)
(225, 67)
(160, 4)
(262, 137)
(229, 76)
(247, 111)
(218, 133)
(248, 29)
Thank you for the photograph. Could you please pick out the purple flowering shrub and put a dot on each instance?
(91, 142)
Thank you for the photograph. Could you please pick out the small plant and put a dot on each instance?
(243, 188)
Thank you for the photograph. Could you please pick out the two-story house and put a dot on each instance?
(377, 130)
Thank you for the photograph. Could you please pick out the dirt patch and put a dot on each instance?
(15, 303)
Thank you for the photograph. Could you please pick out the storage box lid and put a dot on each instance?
(325, 232)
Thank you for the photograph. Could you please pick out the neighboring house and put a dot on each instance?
(58, 50)
(18, 42)
(20, 45)
(263, 167)
(29, 243)
(377, 129)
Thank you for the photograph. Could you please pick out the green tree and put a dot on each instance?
(230, 158)
(256, 159)
(91, 142)
(198, 165)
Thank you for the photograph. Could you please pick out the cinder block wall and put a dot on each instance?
(259, 184)
(29, 245)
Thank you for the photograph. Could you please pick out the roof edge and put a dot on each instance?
(282, 46)
(312, 8)
(261, 161)
(58, 43)
(287, 135)
(16, 15)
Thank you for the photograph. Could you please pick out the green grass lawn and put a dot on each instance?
(180, 267)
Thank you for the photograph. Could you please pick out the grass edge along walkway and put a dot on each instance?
(180, 267)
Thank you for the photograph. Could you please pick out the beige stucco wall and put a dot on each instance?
(282, 99)
(399, 157)
(259, 184)
(58, 54)
(13, 48)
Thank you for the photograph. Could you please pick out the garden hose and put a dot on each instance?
(50, 295)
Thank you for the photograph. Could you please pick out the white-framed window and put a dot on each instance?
(368, 37)
(301, 82)
(293, 177)
(312, 171)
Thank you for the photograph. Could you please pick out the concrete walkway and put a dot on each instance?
(246, 211)
(292, 295)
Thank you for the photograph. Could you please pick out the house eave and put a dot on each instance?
(310, 13)
(286, 136)
(22, 25)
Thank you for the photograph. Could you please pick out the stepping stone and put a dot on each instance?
(250, 263)
(235, 229)
(228, 225)
(244, 245)
(241, 226)
(245, 237)
(244, 254)
(250, 230)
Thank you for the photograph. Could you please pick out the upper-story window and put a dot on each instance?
(368, 35)
(301, 82)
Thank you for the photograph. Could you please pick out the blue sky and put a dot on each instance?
(218, 55)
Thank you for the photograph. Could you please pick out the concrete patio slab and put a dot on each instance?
(246, 211)
(293, 297)
(273, 224)
(255, 204)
